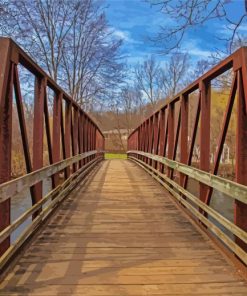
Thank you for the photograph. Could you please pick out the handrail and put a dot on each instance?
(179, 193)
(15, 188)
(55, 197)
(234, 190)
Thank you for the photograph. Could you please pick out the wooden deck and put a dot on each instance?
(121, 234)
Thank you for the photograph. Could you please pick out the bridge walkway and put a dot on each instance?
(121, 233)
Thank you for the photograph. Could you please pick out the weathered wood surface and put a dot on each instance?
(121, 234)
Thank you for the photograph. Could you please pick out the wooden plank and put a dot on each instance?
(212, 226)
(204, 289)
(103, 241)
(57, 195)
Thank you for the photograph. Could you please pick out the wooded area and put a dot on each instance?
(74, 42)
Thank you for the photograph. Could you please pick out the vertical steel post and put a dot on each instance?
(162, 135)
(136, 139)
(139, 138)
(85, 131)
(75, 136)
(151, 137)
(171, 134)
(56, 139)
(142, 138)
(6, 99)
(155, 137)
(205, 90)
(94, 139)
(82, 135)
(142, 148)
(90, 138)
(146, 137)
(67, 136)
(38, 133)
(240, 213)
(184, 133)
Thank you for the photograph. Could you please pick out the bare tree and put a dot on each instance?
(201, 67)
(90, 59)
(40, 27)
(173, 76)
(132, 106)
(70, 39)
(124, 113)
(147, 80)
(191, 13)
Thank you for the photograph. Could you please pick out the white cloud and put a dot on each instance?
(243, 28)
(200, 52)
(227, 30)
(194, 50)
(124, 35)
(121, 34)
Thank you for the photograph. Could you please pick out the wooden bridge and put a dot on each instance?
(122, 227)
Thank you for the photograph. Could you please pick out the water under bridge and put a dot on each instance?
(122, 227)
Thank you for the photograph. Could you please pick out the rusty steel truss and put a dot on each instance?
(155, 142)
(75, 143)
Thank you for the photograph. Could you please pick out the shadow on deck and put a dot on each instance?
(120, 233)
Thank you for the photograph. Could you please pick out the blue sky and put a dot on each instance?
(135, 20)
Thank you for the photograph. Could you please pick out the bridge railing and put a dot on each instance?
(163, 147)
(75, 145)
